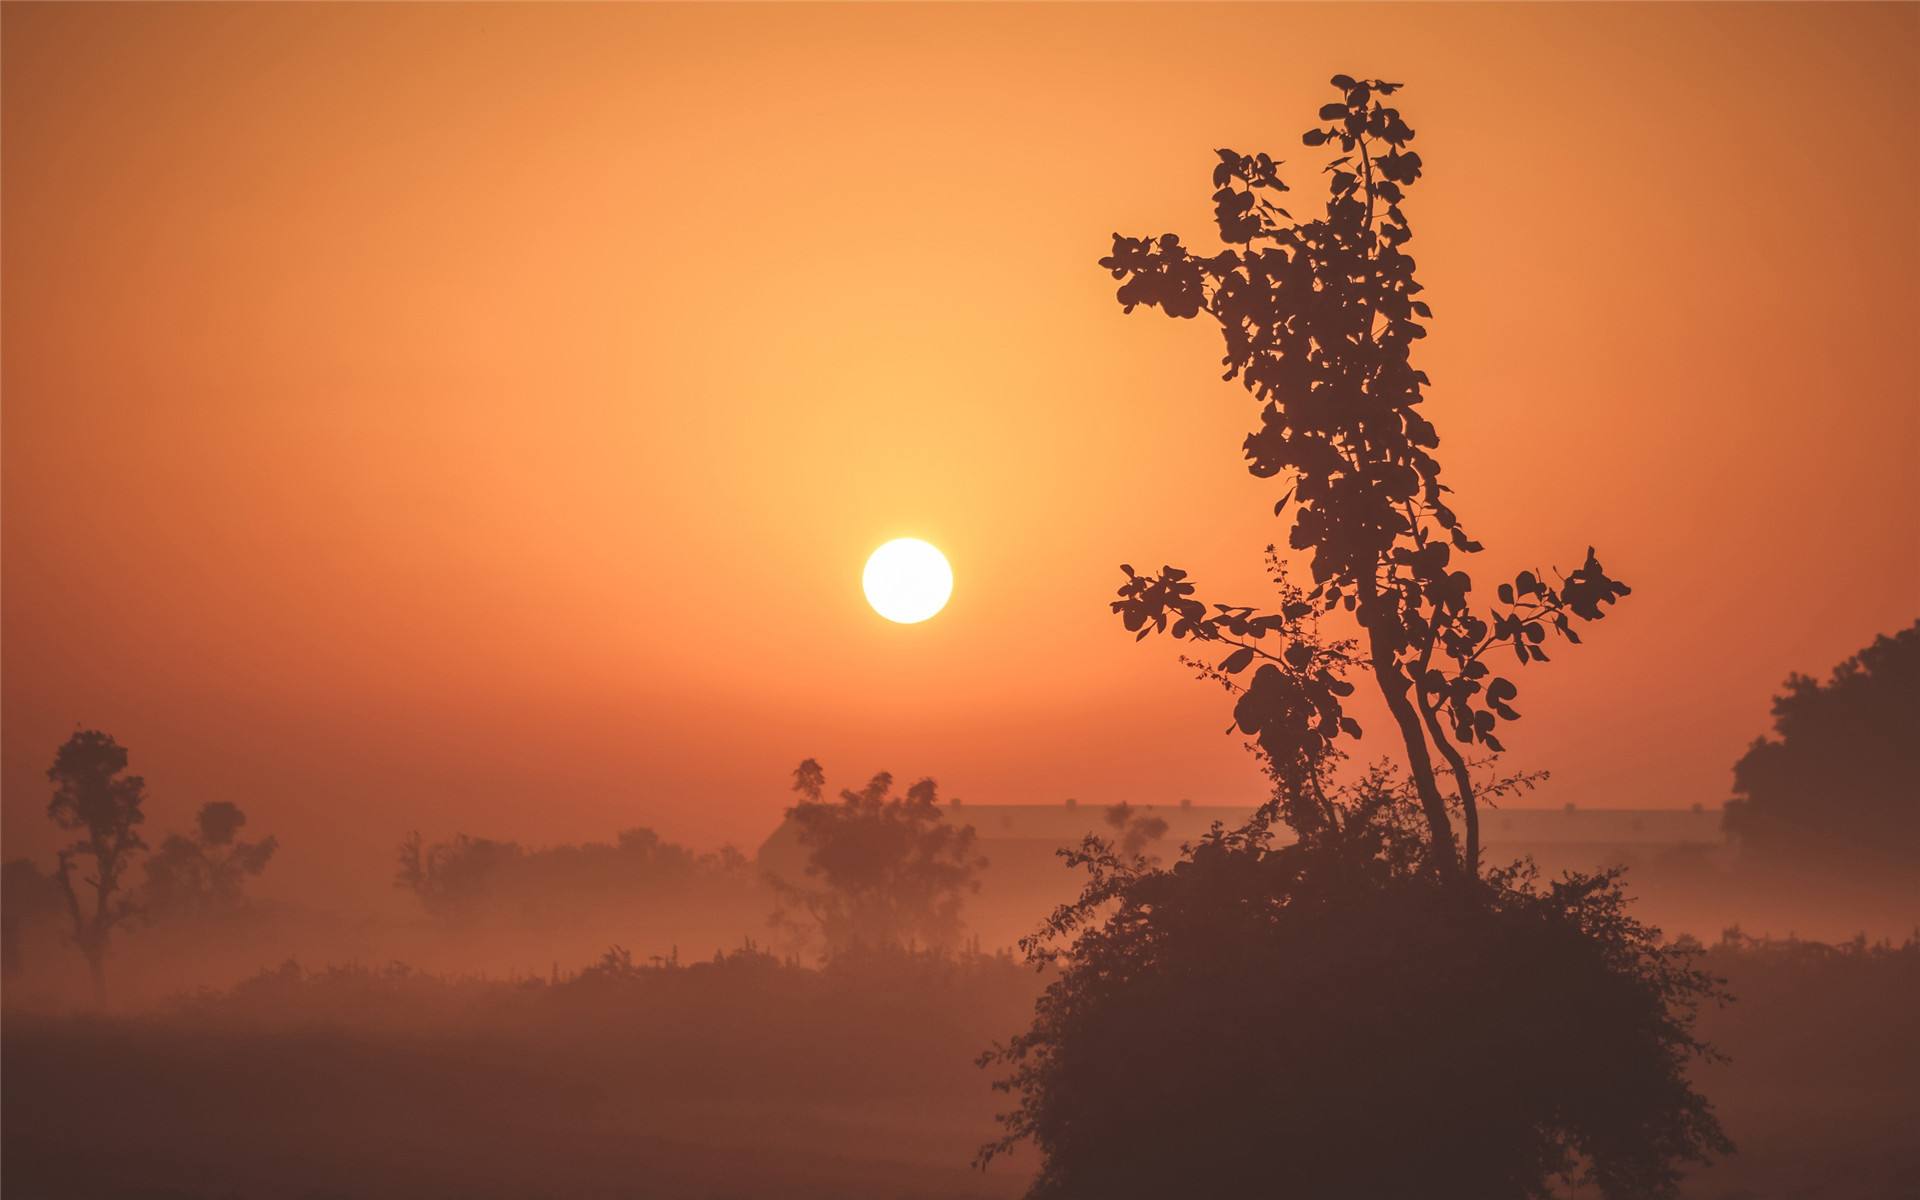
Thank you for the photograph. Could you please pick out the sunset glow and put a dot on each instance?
(352, 422)
(1429, 708)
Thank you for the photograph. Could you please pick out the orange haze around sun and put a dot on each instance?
(475, 418)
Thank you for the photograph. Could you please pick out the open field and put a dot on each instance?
(751, 1077)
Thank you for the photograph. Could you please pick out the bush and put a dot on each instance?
(1317, 1022)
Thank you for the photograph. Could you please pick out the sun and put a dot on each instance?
(907, 580)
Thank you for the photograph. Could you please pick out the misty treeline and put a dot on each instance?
(878, 869)
(468, 879)
(1820, 806)
(1369, 1008)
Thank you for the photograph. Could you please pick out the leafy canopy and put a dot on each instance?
(1319, 316)
(208, 871)
(1835, 784)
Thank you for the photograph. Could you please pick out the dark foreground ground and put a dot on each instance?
(751, 1078)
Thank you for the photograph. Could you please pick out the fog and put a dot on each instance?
(632, 1017)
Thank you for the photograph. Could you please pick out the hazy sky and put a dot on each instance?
(476, 418)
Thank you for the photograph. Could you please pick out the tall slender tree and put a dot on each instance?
(1319, 317)
(95, 798)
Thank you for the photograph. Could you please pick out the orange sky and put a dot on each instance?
(476, 418)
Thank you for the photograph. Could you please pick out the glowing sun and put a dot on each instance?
(907, 580)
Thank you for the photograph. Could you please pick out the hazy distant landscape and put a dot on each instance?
(484, 1049)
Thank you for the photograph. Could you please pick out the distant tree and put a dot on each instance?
(1134, 829)
(92, 796)
(809, 780)
(208, 871)
(1838, 783)
(453, 879)
(28, 896)
(1364, 1011)
(883, 870)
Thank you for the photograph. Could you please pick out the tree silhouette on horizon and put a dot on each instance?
(94, 797)
(1834, 786)
(883, 869)
(206, 871)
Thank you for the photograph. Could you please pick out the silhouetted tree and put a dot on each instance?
(1133, 829)
(453, 878)
(889, 870)
(27, 895)
(1319, 317)
(1362, 1012)
(809, 780)
(208, 871)
(1838, 784)
(92, 797)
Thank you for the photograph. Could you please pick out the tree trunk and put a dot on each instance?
(1463, 782)
(1394, 686)
(97, 969)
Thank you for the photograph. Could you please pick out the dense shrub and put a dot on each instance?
(1319, 1022)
